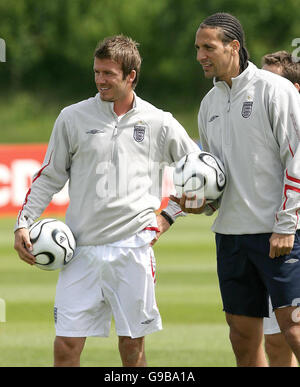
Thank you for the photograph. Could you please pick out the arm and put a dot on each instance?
(24, 246)
(281, 244)
(187, 205)
(180, 206)
(176, 207)
(163, 225)
(50, 179)
(174, 144)
(286, 125)
(46, 182)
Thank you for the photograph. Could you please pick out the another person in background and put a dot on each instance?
(282, 63)
(278, 351)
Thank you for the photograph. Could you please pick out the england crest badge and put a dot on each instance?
(247, 109)
(139, 132)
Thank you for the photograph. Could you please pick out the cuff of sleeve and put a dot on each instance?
(285, 223)
(209, 209)
(173, 211)
(167, 217)
(22, 222)
(280, 230)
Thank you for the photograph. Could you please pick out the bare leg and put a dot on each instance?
(132, 351)
(279, 352)
(246, 336)
(290, 327)
(67, 351)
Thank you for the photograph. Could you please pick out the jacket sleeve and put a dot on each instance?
(210, 208)
(175, 141)
(201, 128)
(285, 114)
(51, 178)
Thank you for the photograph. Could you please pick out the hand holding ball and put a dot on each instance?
(200, 175)
(53, 244)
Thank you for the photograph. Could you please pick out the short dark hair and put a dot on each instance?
(284, 60)
(123, 50)
(231, 30)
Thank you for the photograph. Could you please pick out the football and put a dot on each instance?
(53, 244)
(200, 174)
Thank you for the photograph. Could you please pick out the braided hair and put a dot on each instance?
(232, 30)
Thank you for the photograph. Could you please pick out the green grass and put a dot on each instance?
(26, 118)
(194, 334)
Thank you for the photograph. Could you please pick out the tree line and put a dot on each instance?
(50, 44)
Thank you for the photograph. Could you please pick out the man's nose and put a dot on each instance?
(201, 55)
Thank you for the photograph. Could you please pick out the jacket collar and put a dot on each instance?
(241, 80)
(108, 107)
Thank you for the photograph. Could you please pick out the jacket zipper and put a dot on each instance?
(114, 139)
(227, 127)
(115, 135)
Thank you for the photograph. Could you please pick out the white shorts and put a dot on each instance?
(105, 281)
(270, 323)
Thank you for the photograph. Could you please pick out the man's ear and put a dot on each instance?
(131, 76)
(235, 46)
(297, 85)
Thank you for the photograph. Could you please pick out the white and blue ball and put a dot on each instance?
(200, 174)
(53, 244)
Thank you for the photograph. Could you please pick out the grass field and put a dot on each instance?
(194, 334)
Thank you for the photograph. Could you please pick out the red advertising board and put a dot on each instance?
(18, 164)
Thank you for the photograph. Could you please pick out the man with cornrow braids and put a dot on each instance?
(250, 119)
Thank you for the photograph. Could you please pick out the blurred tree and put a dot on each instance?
(50, 44)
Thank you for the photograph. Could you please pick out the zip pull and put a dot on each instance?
(115, 132)
(228, 106)
(228, 96)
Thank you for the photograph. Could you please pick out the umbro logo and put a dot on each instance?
(147, 321)
(213, 118)
(292, 260)
(95, 131)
